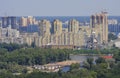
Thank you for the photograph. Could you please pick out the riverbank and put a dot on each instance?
(54, 67)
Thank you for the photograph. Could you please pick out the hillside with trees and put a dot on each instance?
(13, 62)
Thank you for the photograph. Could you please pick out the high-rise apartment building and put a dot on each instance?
(30, 20)
(57, 27)
(45, 27)
(23, 21)
(6, 21)
(99, 25)
(73, 26)
(13, 22)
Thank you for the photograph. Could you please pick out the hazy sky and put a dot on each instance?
(58, 7)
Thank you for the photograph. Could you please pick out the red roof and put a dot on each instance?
(107, 57)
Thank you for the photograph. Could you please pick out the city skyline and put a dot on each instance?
(58, 7)
(53, 33)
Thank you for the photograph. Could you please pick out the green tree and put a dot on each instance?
(74, 66)
(100, 60)
(90, 61)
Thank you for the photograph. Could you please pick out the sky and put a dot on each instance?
(58, 7)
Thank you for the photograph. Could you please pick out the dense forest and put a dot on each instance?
(14, 59)
(89, 70)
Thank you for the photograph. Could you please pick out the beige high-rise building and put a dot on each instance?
(46, 40)
(23, 21)
(73, 26)
(99, 25)
(35, 22)
(57, 27)
(38, 41)
(45, 27)
(30, 20)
